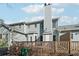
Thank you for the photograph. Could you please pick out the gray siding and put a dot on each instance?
(74, 36)
(18, 28)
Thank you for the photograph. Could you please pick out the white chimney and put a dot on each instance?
(48, 32)
(47, 18)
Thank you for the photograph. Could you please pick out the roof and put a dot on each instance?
(69, 28)
(31, 22)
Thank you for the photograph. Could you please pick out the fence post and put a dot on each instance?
(69, 47)
(54, 47)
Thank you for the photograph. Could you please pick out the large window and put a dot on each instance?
(0, 36)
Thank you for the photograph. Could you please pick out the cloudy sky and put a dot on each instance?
(11, 12)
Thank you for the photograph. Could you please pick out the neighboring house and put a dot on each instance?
(4, 36)
(73, 30)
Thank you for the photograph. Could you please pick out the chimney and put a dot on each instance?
(47, 4)
(48, 32)
(47, 17)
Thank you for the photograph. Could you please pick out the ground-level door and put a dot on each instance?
(41, 38)
(54, 37)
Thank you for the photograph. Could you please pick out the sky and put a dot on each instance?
(25, 12)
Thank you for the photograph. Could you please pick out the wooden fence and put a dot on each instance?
(49, 48)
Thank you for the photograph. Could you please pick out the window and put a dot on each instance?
(76, 33)
(6, 36)
(41, 28)
(30, 38)
(54, 25)
(35, 38)
(0, 36)
(28, 26)
(71, 36)
(35, 25)
(19, 26)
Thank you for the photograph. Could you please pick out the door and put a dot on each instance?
(54, 37)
